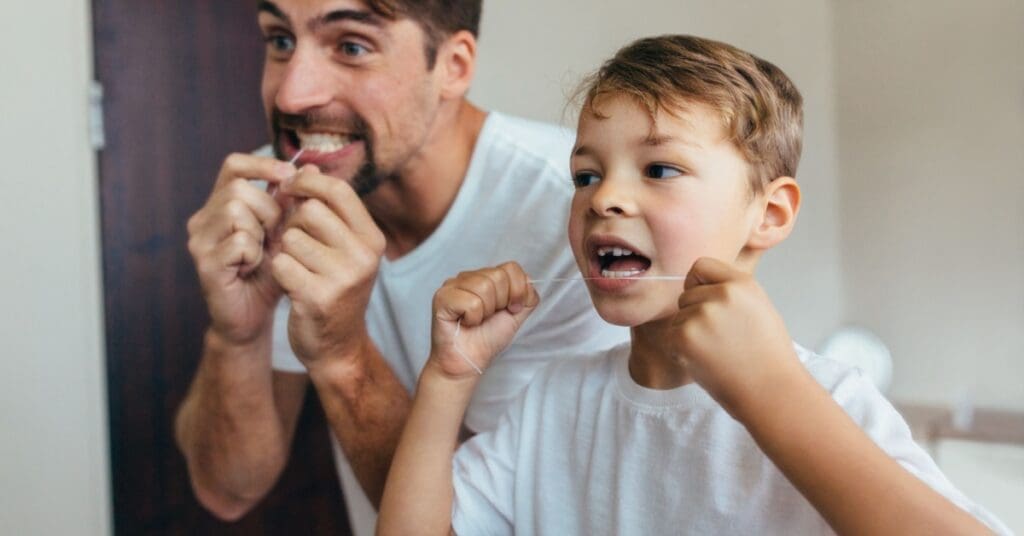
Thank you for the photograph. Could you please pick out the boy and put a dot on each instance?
(711, 421)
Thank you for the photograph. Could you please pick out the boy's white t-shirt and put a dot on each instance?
(513, 205)
(585, 450)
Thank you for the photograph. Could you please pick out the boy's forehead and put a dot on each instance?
(684, 122)
(316, 13)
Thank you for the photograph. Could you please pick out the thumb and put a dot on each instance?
(709, 271)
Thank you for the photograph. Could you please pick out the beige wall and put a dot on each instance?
(53, 434)
(533, 52)
(931, 119)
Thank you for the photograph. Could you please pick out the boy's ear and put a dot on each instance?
(781, 203)
(456, 60)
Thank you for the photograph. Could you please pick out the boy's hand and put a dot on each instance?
(728, 334)
(491, 305)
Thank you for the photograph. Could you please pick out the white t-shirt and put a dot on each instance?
(585, 450)
(513, 205)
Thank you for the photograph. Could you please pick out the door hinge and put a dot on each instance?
(97, 135)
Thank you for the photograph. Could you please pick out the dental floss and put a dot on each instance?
(458, 325)
(296, 157)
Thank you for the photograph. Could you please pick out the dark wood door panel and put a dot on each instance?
(181, 82)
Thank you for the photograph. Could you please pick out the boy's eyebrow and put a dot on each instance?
(337, 15)
(655, 139)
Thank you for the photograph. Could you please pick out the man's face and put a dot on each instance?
(347, 86)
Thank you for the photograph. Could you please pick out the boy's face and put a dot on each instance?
(349, 87)
(668, 195)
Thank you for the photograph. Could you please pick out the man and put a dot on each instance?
(401, 184)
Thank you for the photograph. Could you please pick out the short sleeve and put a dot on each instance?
(483, 477)
(282, 357)
(880, 420)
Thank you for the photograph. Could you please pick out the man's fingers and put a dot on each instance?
(251, 167)
(709, 271)
(313, 255)
(340, 198)
(240, 251)
(292, 276)
(321, 223)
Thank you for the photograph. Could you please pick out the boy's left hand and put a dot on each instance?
(728, 334)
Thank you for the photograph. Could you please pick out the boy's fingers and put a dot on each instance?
(699, 294)
(708, 271)
(458, 304)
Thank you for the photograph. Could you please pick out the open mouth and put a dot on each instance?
(319, 142)
(618, 262)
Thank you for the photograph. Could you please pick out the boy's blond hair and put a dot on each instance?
(761, 109)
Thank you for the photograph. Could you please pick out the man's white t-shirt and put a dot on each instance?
(513, 205)
(585, 450)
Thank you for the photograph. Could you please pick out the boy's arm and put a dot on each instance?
(475, 317)
(732, 341)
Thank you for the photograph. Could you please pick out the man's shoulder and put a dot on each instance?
(546, 143)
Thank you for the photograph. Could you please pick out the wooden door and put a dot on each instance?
(181, 81)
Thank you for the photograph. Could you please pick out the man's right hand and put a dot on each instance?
(228, 241)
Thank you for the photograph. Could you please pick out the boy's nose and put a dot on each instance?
(612, 198)
(306, 84)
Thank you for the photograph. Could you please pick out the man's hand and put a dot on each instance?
(491, 305)
(330, 251)
(228, 246)
(728, 334)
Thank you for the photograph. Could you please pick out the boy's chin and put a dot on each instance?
(626, 316)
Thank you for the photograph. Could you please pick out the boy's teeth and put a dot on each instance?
(612, 274)
(322, 142)
(616, 252)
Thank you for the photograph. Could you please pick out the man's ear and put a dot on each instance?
(456, 59)
(779, 204)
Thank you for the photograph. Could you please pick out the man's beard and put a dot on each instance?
(367, 178)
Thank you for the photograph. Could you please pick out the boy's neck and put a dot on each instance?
(652, 363)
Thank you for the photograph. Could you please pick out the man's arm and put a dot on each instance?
(236, 425)
(366, 407)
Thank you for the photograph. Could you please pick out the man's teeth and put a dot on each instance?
(322, 142)
(610, 274)
(616, 252)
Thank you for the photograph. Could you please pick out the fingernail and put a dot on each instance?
(515, 307)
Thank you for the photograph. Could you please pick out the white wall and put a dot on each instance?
(931, 118)
(53, 434)
(534, 52)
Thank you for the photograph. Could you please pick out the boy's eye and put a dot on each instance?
(584, 179)
(659, 171)
(349, 48)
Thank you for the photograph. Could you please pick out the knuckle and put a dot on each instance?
(234, 161)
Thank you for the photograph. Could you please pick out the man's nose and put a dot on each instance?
(613, 197)
(306, 84)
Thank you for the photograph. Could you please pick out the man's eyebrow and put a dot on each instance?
(270, 7)
(339, 15)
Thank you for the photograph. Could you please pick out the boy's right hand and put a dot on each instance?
(228, 246)
(487, 307)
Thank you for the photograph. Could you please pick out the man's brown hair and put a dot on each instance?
(438, 18)
(761, 109)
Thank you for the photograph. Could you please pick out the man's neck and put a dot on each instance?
(409, 210)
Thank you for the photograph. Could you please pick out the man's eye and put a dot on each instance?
(584, 179)
(658, 171)
(280, 43)
(349, 48)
